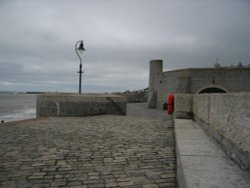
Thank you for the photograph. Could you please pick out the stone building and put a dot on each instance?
(194, 81)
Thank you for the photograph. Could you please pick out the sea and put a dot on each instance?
(17, 106)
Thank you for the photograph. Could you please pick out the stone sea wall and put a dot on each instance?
(78, 105)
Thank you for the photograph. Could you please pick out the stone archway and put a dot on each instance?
(212, 89)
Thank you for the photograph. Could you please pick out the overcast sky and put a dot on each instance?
(37, 40)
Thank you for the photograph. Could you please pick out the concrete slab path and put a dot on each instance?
(202, 163)
(99, 151)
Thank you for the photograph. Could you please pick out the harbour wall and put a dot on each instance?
(194, 81)
(78, 105)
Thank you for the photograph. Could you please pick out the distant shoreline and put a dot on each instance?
(17, 92)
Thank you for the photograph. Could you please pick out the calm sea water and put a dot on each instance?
(15, 107)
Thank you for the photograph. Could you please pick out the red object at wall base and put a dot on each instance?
(170, 103)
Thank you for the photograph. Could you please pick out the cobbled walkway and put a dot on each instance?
(91, 152)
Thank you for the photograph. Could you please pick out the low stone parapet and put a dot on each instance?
(78, 105)
(225, 117)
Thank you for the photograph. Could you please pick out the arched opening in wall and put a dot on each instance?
(212, 88)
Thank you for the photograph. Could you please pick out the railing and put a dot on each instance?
(116, 105)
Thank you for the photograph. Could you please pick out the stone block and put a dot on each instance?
(183, 106)
(201, 107)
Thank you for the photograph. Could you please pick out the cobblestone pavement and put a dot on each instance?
(91, 152)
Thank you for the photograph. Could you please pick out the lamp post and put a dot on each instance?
(79, 48)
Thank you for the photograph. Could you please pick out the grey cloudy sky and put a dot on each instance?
(37, 39)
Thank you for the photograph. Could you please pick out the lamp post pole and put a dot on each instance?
(80, 49)
(80, 78)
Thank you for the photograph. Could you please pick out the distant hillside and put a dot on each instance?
(136, 96)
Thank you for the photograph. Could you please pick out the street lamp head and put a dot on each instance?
(81, 48)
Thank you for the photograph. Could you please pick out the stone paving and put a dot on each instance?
(135, 151)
